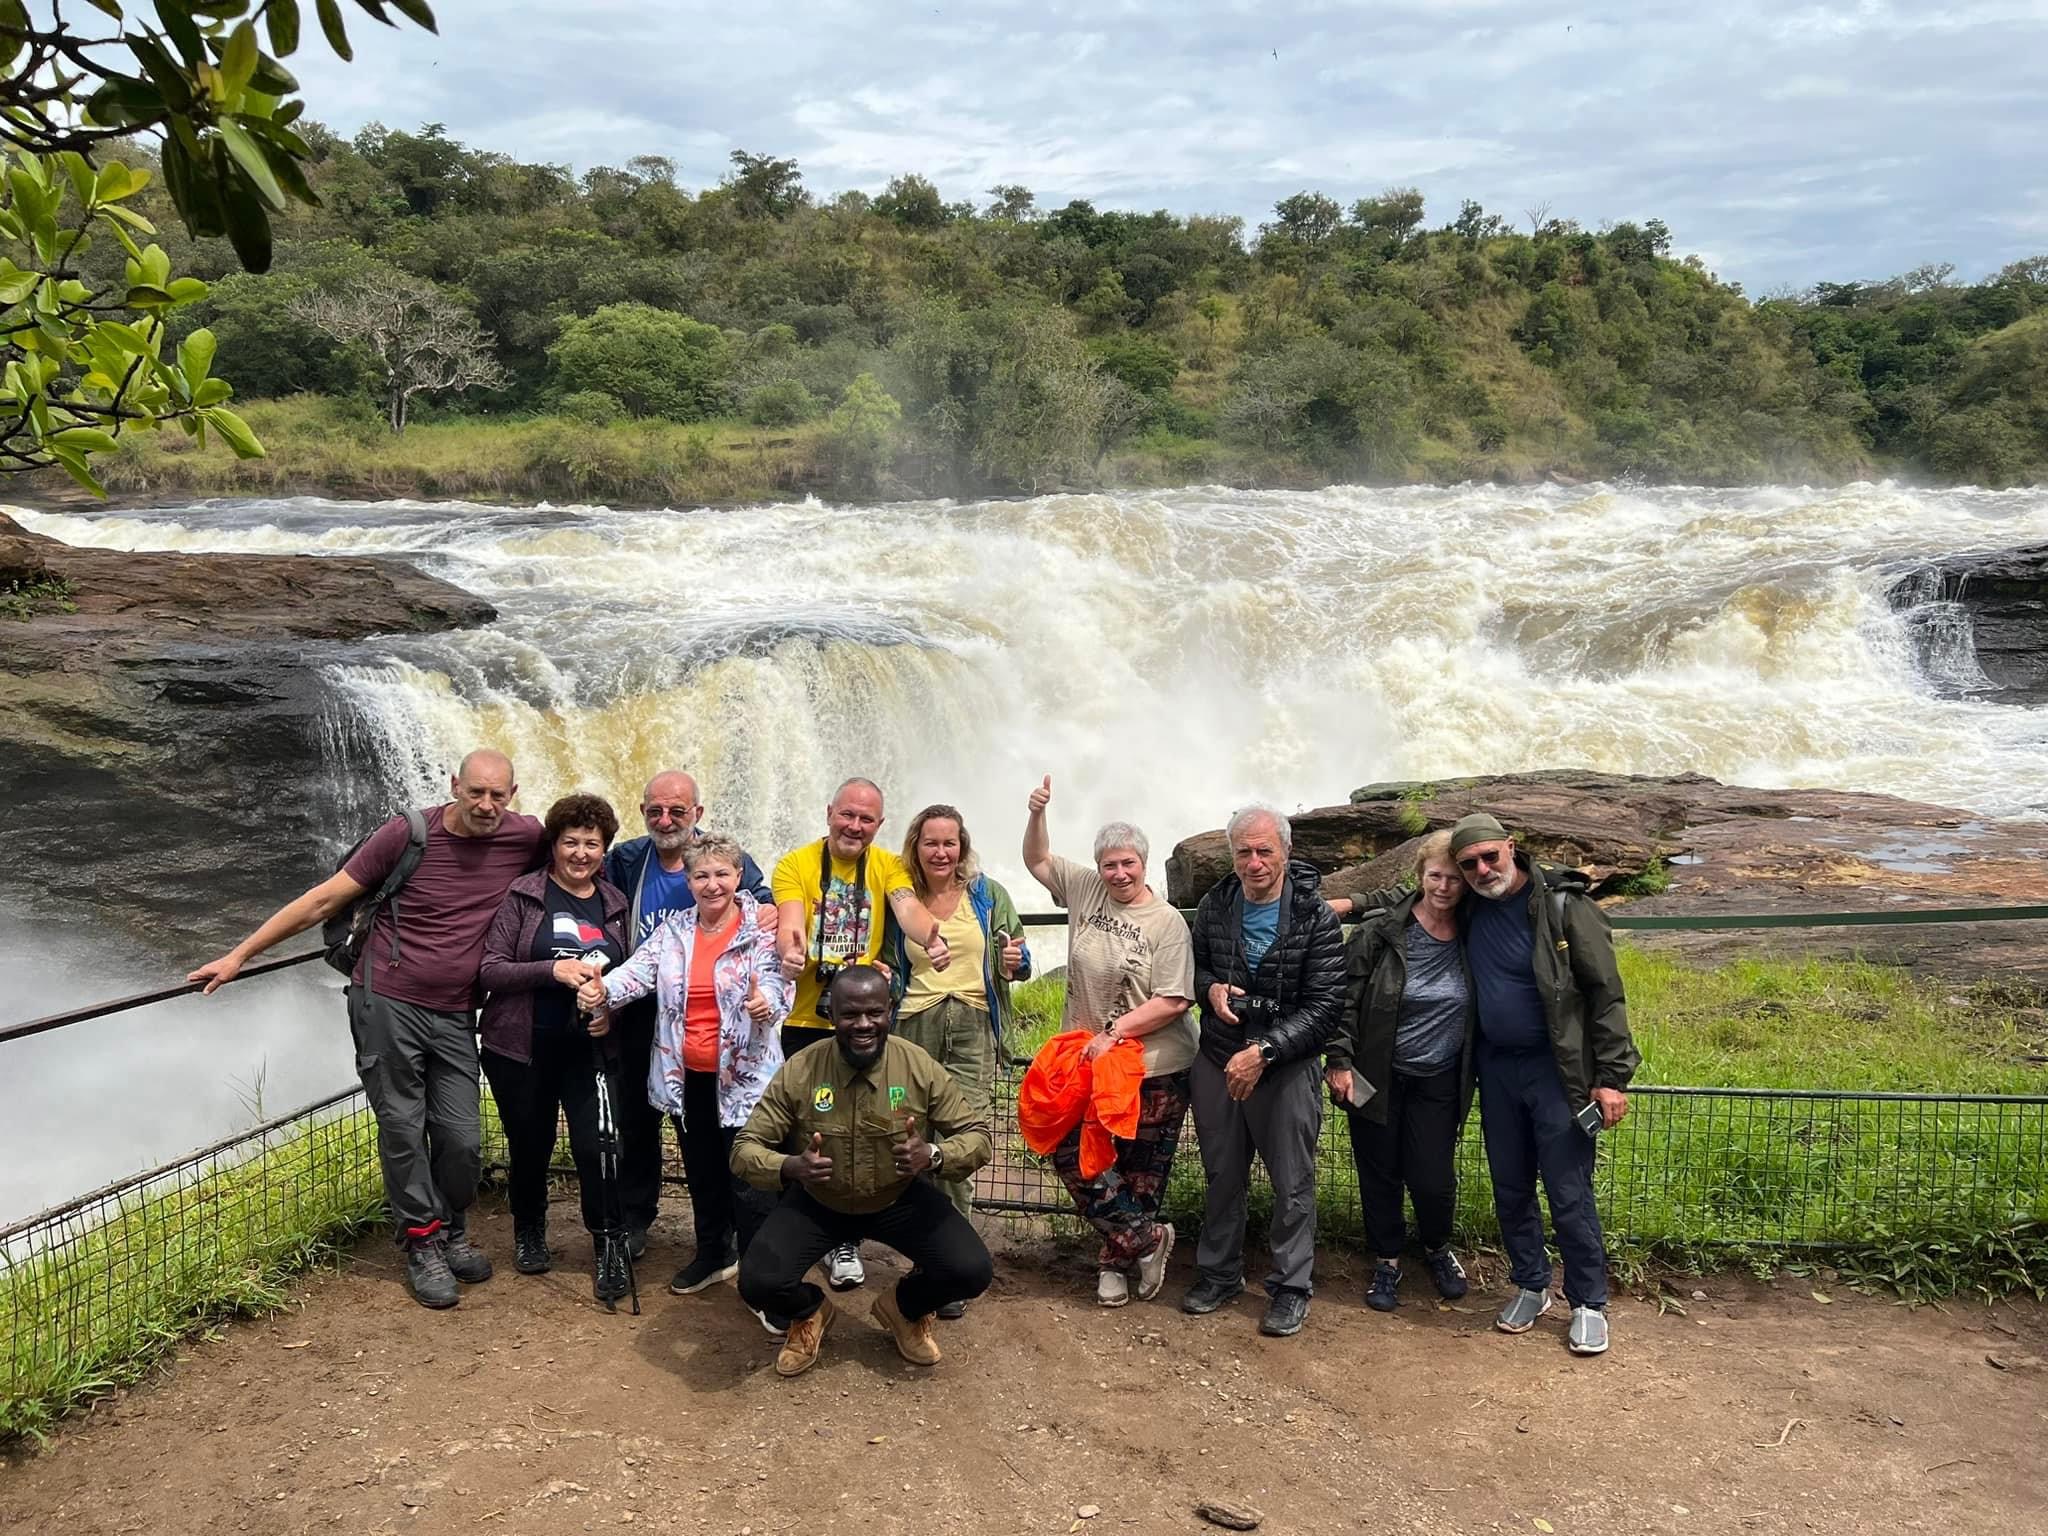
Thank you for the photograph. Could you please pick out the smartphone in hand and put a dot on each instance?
(1590, 1119)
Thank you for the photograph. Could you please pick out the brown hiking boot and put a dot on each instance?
(914, 1341)
(800, 1348)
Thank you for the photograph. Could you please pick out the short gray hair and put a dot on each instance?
(713, 845)
(1121, 834)
(1257, 811)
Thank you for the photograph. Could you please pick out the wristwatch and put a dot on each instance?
(1267, 1049)
(938, 1158)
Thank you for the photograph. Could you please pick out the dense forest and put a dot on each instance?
(903, 344)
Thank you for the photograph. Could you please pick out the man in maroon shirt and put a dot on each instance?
(410, 1004)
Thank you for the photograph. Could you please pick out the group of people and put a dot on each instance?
(825, 1039)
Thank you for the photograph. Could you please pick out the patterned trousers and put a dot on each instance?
(1123, 1203)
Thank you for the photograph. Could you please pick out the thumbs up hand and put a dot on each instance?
(810, 1166)
(1041, 797)
(1011, 960)
(913, 1152)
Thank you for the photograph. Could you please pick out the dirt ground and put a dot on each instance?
(528, 1409)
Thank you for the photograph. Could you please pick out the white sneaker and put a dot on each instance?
(1588, 1334)
(1152, 1267)
(775, 1328)
(1112, 1289)
(843, 1269)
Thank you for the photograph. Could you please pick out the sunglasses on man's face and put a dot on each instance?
(1488, 857)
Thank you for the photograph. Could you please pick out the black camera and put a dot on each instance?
(1255, 1010)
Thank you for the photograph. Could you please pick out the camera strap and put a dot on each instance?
(860, 902)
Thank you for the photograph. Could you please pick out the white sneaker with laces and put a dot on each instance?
(1112, 1288)
(843, 1268)
(1152, 1267)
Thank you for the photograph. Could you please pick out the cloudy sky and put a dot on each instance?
(1784, 143)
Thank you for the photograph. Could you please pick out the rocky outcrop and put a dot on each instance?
(1995, 605)
(1692, 845)
(171, 738)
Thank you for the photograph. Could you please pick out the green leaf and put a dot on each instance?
(337, 35)
(417, 11)
(124, 101)
(82, 179)
(247, 220)
(145, 296)
(126, 337)
(238, 57)
(186, 290)
(74, 466)
(127, 240)
(131, 218)
(273, 79)
(212, 392)
(30, 200)
(182, 30)
(106, 8)
(169, 79)
(195, 356)
(16, 286)
(87, 440)
(249, 156)
(281, 21)
(113, 182)
(234, 430)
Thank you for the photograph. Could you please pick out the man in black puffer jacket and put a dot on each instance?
(1269, 972)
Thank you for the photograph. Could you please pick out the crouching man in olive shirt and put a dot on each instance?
(841, 1133)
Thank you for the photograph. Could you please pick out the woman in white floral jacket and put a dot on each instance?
(720, 999)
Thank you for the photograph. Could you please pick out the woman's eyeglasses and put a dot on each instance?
(1486, 856)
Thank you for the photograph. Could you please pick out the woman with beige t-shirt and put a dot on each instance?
(1131, 976)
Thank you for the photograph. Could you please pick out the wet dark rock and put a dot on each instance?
(171, 739)
(1995, 605)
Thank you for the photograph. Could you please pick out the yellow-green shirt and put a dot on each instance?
(860, 1116)
(840, 938)
(962, 977)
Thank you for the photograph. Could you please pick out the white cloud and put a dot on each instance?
(1823, 141)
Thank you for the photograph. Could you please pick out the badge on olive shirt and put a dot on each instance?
(821, 1100)
(895, 1095)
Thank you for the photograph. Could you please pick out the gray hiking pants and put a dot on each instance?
(419, 1072)
(1281, 1121)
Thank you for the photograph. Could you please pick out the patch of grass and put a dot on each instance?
(1409, 817)
(1653, 879)
(22, 600)
(95, 1306)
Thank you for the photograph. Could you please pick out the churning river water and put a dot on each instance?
(1164, 655)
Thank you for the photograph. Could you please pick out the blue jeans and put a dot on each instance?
(1526, 1123)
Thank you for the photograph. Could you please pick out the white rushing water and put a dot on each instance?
(1165, 656)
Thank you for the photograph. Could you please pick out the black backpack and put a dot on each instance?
(345, 933)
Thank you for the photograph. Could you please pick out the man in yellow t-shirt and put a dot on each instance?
(830, 898)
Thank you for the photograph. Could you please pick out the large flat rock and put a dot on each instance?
(1723, 848)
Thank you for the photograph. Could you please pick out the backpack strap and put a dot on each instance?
(408, 860)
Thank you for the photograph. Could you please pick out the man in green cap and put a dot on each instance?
(1553, 1039)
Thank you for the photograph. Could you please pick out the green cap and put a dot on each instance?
(1476, 828)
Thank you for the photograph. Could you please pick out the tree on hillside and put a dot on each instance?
(655, 362)
(764, 187)
(84, 362)
(421, 340)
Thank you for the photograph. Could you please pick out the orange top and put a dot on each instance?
(700, 999)
(1061, 1087)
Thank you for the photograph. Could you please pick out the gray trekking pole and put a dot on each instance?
(612, 1245)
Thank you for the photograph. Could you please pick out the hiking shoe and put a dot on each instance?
(426, 1271)
(530, 1254)
(467, 1262)
(609, 1280)
(636, 1243)
(1588, 1335)
(1383, 1294)
(1112, 1288)
(1152, 1267)
(913, 1335)
(1285, 1314)
(778, 1327)
(1448, 1274)
(800, 1348)
(952, 1311)
(1520, 1315)
(703, 1272)
(1208, 1293)
(843, 1268)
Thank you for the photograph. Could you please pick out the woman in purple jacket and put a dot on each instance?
(558, 927)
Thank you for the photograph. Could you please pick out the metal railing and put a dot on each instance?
(92, 1289)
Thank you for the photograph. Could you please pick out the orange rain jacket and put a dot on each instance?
(1062, 1088)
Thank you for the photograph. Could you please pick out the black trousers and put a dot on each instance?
(924, 1226)
(1415, 1147)
(559, 1083)
(639, 1121)
(725, 1208)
